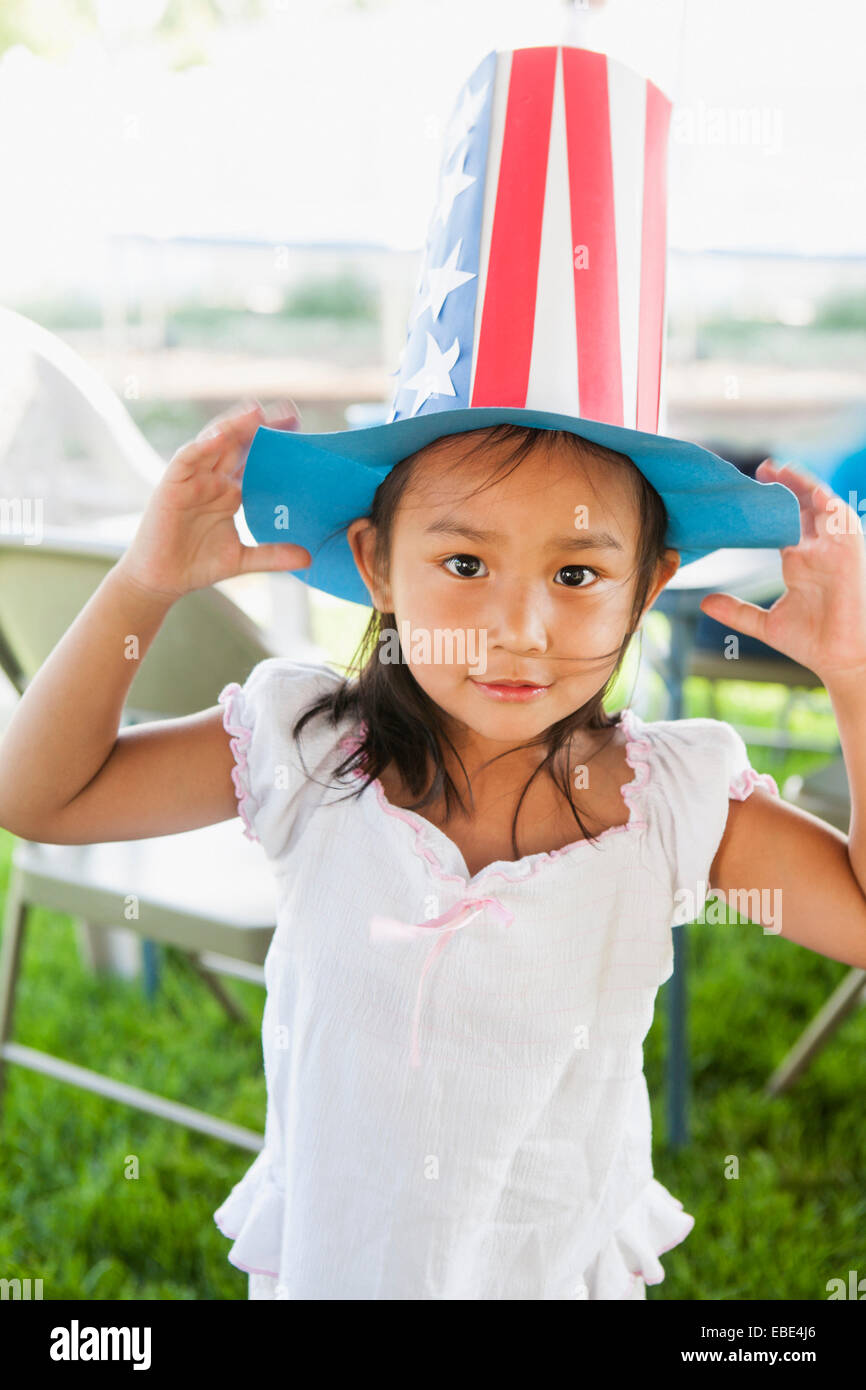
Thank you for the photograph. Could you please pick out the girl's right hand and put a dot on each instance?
(187, 537)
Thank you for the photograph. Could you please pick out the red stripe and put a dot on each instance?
(593, 225)
(653, 257)
(508, 311)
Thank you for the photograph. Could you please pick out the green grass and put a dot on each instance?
(790, 1221)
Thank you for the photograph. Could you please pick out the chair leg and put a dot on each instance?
(14, 925)
(150, 968)
(811, 1041)
(207, 977)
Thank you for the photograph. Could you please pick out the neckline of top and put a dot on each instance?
(638, 748)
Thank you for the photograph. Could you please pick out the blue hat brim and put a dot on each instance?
(306, 488)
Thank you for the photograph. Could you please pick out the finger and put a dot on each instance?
(282, 556)
(197, 453)
(240, 426)
(829, 510)
(282, 414)
(803, 485)
(232, 460)
(236, 435)
(747, 618)
(244, 410)
(279, 414)
(799, 480)
(219, 451)
(243, 428)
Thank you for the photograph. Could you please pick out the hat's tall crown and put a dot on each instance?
(543, 280)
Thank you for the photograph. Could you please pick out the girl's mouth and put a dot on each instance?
(502, 690)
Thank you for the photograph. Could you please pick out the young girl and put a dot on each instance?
(478, 868)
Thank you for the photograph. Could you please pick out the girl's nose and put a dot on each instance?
(519, 619)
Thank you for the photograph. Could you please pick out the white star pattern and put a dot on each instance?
(399, 366)
(419, 283)
(464, 118)
(419, 288)
(451, 184)
(441, 273)
(441, 280)
(432, 379)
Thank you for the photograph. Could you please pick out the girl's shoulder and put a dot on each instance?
(279, 776)
(696, 757)
(275, 693)
(278, 678)
(696, 767)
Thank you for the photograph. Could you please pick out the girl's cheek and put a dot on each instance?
(436, 601)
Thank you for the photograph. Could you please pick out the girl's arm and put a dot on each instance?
(804, 879)
(68, 774)
(792, 873)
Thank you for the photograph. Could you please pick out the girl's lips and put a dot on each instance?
(510, 692)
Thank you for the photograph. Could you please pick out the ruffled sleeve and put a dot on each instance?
(699, 766)
(742, 777)
(272, 782)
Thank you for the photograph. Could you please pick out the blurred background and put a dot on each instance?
(218, 199)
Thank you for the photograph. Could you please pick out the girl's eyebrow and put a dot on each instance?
(587, 540)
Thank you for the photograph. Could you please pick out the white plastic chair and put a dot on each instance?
(66, 439)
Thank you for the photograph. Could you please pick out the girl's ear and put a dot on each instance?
(665, 571)
(361, 535)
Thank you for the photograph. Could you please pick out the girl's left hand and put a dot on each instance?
(820, 619)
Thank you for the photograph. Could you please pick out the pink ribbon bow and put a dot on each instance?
(443, 928)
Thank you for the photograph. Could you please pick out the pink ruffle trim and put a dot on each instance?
(254, 1212)
(240, 740)
(654, 1223)
(745, 782)
(638, 753)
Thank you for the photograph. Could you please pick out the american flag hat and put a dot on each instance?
(541, 302)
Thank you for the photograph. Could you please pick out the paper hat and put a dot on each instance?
(541, 302)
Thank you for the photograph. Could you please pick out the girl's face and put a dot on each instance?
(535, 572)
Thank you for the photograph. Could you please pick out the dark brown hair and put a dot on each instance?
(399, 722)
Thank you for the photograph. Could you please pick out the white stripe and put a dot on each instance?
(662, 426)
(499, 101)
(627, 98)
(553, 365)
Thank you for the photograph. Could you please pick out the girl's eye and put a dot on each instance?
(574, 570)
(467, 560)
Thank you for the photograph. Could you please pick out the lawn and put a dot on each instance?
(102, 1202)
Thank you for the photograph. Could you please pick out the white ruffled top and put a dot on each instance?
(456, 1102)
